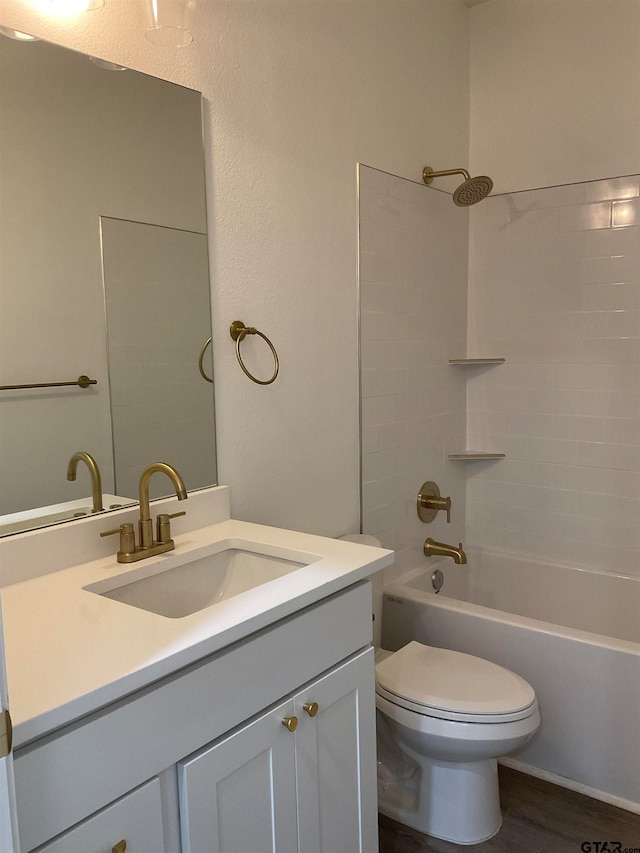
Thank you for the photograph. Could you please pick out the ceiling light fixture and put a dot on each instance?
(170, 22)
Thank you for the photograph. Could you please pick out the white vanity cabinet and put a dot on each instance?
(217, 723)
(297, 778)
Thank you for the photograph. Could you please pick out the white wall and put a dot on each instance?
(298, 92)
(555, 91)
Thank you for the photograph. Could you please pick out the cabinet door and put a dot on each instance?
(336, 761)
(133, 823)
(239, 795)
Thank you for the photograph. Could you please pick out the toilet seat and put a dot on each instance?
(453, 686)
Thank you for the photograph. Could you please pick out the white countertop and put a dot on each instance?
(71, 651)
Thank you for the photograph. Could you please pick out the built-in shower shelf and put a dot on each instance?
(472, 455)
(470, 362)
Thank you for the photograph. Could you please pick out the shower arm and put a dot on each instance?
(428, 174)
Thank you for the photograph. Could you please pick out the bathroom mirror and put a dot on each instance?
(103, 273)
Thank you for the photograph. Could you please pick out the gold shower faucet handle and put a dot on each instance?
(430, 503)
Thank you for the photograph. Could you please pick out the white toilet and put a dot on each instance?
(451, 715)
(444, 718)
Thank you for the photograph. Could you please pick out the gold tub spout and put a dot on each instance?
(441, 549)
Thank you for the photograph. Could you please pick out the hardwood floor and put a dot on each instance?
(538, 817)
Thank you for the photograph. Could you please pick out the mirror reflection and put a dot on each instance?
(103, 273)
(157, 321)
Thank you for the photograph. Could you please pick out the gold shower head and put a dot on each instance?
(470, 191)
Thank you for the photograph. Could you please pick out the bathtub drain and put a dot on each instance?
(437, 580)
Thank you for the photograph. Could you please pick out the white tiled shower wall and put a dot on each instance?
(413, 298)
(554, 288)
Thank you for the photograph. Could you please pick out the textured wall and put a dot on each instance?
(297, 93)
(555, 91)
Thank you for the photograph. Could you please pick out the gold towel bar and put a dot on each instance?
(238, 332)
(83, 381)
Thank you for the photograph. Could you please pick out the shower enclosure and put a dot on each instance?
(548, 281)
(545, 285)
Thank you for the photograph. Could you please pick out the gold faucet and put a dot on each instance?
(145, 525)
(440, 549)
(148, 546)
(96, 483)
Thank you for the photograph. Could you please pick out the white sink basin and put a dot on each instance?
(193, 586)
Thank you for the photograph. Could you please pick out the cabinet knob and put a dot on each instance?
(311, 708)
(120, 847)
(290, 723)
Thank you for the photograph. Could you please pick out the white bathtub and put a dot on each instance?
(573, 634)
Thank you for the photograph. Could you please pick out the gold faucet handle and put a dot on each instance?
(430, 503)
(163, 526)
(127, 537)
(439, 504)
(447, 506)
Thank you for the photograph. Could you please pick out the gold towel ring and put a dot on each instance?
(200, 365)
(238, 332)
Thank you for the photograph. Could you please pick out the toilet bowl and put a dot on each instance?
(444, 718)
(451, 716)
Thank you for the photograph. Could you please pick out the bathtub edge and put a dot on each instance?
(571, 784)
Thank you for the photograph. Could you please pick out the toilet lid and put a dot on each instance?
(452, 681)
